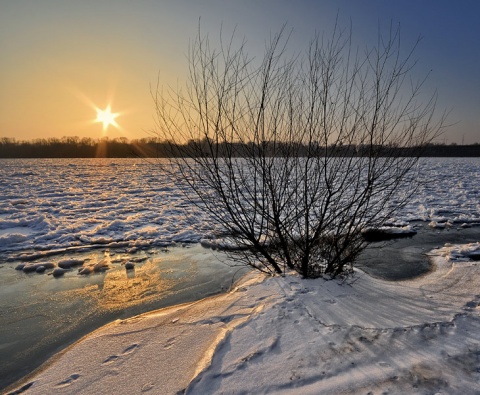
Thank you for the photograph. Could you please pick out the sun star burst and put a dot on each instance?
(107, 117)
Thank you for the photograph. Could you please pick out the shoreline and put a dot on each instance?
(206, 339)
(25, 382)
(393, 245)
(52, 313)
(18, 386)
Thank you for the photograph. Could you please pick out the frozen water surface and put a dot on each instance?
(450, 191)
(54, 204)
(99, 216)
(96, 217)
(69, 203)
(41, 314)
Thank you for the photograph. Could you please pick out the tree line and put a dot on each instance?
(76, 147)
(121, 147)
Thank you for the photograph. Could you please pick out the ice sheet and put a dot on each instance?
(53, 204)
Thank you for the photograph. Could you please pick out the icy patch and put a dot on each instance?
(460, 253)
(12, 238)
(448, 191)
(440, 225)
(60, 204)
(223, 243)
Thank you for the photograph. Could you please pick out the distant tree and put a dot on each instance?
(260, 145)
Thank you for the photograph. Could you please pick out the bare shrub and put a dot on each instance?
(294, 156)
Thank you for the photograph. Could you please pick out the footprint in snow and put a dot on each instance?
(110, 359)
(170, 342)
(130, 349)
(68, 381)
(147, 387)
(113, 358)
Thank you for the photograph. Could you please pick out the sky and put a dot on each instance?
(61, 60)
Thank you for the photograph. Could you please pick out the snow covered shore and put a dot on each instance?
(288, 335)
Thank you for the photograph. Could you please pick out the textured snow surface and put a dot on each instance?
(450, 191)
(55, 204)
(292, 336)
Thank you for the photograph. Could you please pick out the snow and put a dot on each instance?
(289, 336)
(269, 335)
(449, 190)
(57, 204)
(461, 253)
(397, 230)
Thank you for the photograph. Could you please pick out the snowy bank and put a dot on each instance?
(288, 335)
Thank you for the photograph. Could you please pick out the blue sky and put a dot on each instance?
(63, 59)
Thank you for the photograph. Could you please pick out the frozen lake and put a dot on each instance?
(104, 213)
(52, 205)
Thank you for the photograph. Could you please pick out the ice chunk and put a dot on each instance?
(68, 263)
(58, 272)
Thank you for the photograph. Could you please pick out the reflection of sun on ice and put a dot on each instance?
(106, 117)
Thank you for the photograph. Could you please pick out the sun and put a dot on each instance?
(107, 117)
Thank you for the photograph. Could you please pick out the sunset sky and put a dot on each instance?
(62, 60)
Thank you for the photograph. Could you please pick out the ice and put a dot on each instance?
(58, 272)
(32, 267)
(460, 253)
(68, 263)
(272, 334)
(55, 204)
(388, 232)
(439, 225)
(58, 204)
(8, 239)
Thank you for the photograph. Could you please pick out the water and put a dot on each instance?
(40, 315)
(113, 211)
(96, 211)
